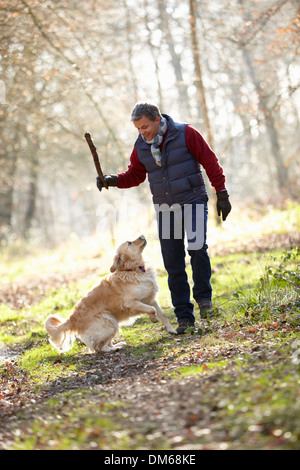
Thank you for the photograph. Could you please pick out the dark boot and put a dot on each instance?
(185, 326)
(206, 309)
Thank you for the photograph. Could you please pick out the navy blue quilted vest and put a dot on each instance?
(179, 179)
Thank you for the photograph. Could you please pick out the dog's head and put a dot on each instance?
(129, 255)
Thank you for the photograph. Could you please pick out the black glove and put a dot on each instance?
(110, 180)
(223, 204)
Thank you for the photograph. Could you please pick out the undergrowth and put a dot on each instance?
(277, 295)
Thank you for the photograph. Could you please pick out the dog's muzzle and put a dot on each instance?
(143, 239)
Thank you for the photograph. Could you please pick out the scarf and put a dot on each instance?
(157, 141)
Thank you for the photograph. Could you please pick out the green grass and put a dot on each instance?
(188, 371)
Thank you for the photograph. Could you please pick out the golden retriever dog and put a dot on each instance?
(129, 291)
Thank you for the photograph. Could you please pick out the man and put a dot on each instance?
(172, 154)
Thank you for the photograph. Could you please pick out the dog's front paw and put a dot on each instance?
(172, 331)
(119, 345)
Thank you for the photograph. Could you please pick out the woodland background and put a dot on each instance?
(228, 67)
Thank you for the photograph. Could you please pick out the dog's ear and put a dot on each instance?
(115, 264)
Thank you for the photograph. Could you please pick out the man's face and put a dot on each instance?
(146, 127)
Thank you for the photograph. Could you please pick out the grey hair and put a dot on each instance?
(145, 109)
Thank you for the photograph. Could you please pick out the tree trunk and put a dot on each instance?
(282, 176)
(8, 166)
(154, 52)
(201, 90)
(32, 192)
(6, 196)
(175, 59)
(198, 72)
(129, 28)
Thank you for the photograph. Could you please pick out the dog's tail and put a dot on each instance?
(60, 333)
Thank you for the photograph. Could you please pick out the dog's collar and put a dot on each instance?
(142, 268)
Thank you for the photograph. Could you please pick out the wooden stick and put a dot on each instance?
(96, 158)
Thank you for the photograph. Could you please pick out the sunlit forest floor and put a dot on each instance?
(232, 385)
